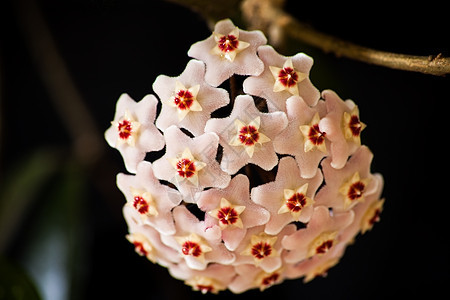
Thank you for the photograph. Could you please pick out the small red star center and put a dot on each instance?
(183, 99)
(316, 136)
(261, 250)
(228, 43)
(288, 77)
(356, 190)
(296, 202)
(191, 248)
(248, 135)
(125, 129)
(185, 168)
(141, 205)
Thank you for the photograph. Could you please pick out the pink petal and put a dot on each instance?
(271, 195)
(209, 98)
(246, 62)
(262, 85)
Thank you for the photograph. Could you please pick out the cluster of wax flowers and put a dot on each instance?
(196, 208)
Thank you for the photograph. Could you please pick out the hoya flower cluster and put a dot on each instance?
(246, 191)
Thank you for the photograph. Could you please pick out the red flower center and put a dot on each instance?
(316, 136)
(356, 190)
(324, 247)
(228, 43)
(140, 205)
(261, 250)
(185, 168)
(139, 248)
(271, 279)
(296, 202)
(205, 288)
(183, 99)
(125, 129)
(288, 77)
(355, 125)
(248, 135)
(375, 218)
(227, 215)
(191, 248)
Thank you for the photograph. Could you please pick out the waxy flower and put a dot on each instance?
(187, 100)
(282, 78)
(350, 185)
(321, 234)
(289, 198)
(232, 209)
(133, 132)
(343, 127)
(229, 51)
(189, 163)
(151, 201)
(249, 277)
(303, 138)
(247, 135)
(246, 192)
(147, 240)
(196, 243)
(261, 249)
(213, 279)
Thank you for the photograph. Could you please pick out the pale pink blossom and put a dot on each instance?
(229, 50)
(322, 233)
(302, 137)
(147, 240)
(261, 249)
(187, 100)
(232, 209)
(196, 243)
(289, 198)
(133, 132)
(249, 277)
(247, 135)
(343, 127)
(213, 279)
(282, 77)
(190, 163)
(367, 213)
(349, 185)
(151, 201)
(318, 265)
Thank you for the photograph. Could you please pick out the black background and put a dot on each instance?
(111, 47)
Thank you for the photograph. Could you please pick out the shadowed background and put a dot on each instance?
(62, 234)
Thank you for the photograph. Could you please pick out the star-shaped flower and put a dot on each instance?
(147, 240)
(232, 209)
(350, 185)
(250, 276)
(289, 198)
(132, 132)
(213, 279)
(261, 249)
(229, 51)
(318, 265)
(197, 243)
(190, 163)
(367, 213)
(320, 235)
(187, 100)
(343, 127)
(282, 77)
(303, 138)
(247, 134)
(151, 201)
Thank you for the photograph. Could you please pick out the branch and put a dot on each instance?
(269, 16)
